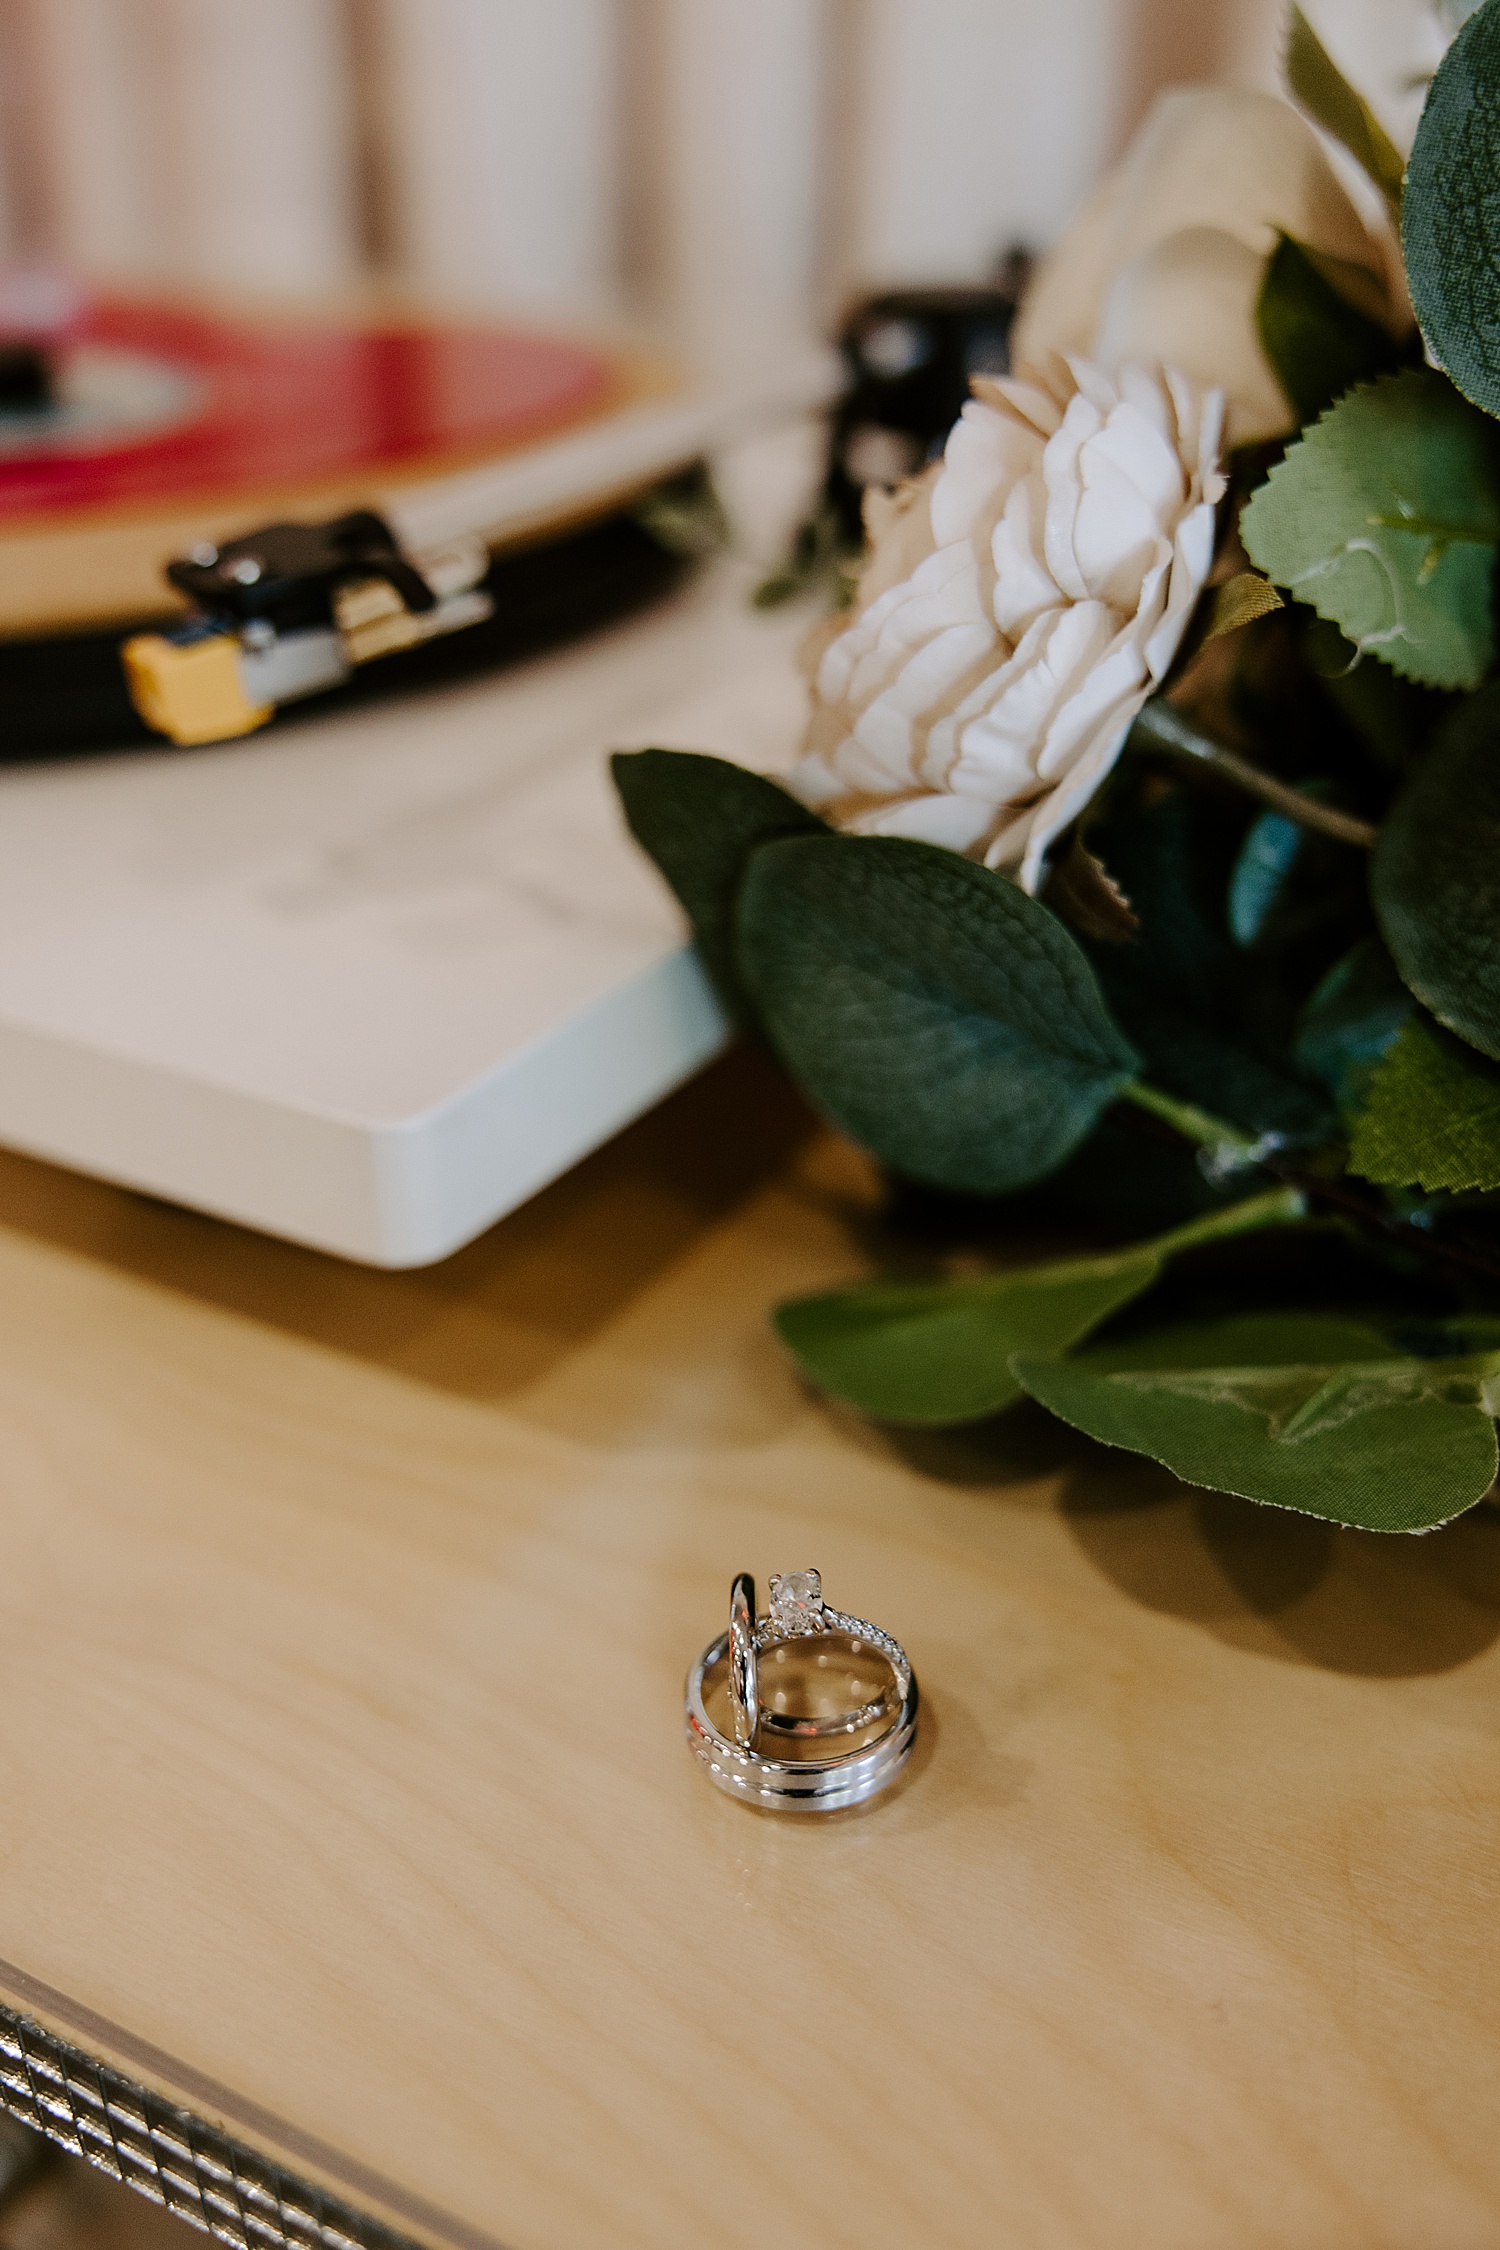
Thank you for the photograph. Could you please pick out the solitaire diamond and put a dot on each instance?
(797, 1597)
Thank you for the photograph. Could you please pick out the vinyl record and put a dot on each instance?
(142, 432)
(164, 424)
(508, 465)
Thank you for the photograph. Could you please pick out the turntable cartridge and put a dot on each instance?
(289, 611)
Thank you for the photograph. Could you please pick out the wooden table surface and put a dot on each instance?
(343, 1621)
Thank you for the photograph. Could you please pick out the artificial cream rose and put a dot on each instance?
(1021, 601)
(1166, 263)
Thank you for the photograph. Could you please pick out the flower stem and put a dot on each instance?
(1194, 1124)
(1160, 727)
(1336, 1198)
(1282, 1207)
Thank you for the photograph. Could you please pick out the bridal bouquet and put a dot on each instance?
(1139, 884)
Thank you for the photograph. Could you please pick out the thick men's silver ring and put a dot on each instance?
(795, 1727)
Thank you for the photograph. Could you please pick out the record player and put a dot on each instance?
(314, 909)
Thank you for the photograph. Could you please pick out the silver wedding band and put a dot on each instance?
(739, 1762)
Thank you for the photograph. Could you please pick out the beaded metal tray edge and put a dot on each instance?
(166, 2153)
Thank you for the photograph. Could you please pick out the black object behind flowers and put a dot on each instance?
(911, 356)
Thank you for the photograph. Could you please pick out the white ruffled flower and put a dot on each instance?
(1021, 601)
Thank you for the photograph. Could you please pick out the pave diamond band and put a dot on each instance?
(835, 1757)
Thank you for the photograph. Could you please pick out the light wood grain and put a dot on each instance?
(343, 1619)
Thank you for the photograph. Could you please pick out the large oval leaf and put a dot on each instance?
(1384, 517)
(937, 1014)
(1450, 221)
(939, 1352)
(700, 818)
(1435, 876)
(1321, 1415)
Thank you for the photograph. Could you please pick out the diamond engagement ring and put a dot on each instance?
(805, 1709)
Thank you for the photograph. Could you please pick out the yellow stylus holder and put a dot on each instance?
(191, 691)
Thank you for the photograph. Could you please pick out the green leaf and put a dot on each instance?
(937, 1014)
(700, 818)
(1266, 859)
(1317, 83)
(1319, 344)
(1180, 991)
(1431, 1117)
(1384, 518)
(1351, 1020)
(939, 1352)
(1317, 1414)
(1451, 221)
(1435, 876)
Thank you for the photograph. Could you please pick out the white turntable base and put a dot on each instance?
(370, 981)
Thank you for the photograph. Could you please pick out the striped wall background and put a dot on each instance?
(729, 170)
